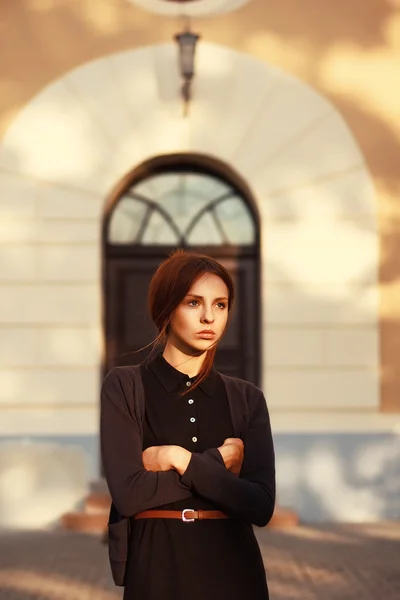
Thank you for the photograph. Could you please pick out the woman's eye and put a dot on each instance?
(220, 305)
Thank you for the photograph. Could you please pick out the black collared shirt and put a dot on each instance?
(204, 560)
(197, 421)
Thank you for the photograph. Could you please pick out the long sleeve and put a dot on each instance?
(132, 488)
(251, 496)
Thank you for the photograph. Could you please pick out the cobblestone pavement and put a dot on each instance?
(350, 562)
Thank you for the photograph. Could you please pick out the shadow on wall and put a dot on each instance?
(339, 477)
(318, 42)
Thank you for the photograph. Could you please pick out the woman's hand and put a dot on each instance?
(166, 458)
(232, 451)
(157, 458)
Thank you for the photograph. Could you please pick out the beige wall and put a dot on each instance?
(349, 53)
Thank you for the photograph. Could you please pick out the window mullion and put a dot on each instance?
(219, 224)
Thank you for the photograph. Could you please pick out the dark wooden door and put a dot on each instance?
(129, 327)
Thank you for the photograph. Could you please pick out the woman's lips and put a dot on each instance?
(207, 335)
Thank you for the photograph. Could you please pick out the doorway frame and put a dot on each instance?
(200, 163)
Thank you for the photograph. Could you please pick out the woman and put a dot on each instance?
(199, 470)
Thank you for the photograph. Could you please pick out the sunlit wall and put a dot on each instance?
(303, 102)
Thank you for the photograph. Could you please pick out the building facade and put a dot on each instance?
(295, 123)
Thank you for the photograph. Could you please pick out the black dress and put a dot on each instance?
(201, 560)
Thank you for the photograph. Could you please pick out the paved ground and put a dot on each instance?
(307, 563)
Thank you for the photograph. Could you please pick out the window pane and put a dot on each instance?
(156, 186)
(125, 221)
(184, 202)
(188, 198)
(159, 187)
(237, 221)
(205, 232)
(159, 232)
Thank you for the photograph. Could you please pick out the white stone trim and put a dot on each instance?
(197, 8)
(49, 386)
(47, 421)
(335, 422)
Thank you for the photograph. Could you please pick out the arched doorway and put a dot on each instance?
(186, 201)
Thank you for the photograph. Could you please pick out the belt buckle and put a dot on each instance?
(184, 519)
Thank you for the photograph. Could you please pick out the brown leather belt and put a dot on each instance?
(188, 515)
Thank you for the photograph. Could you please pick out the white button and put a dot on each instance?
(194, 439)
(190, 401)
(188, 383)
(192, 420)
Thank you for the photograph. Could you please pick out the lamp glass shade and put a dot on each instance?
(187, 46)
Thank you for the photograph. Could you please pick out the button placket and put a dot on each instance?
(192, 417)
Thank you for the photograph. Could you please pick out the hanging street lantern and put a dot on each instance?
(187, 47)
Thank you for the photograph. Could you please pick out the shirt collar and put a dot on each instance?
(173, 380)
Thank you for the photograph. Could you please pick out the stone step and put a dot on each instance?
(85, 522)
(283, 517)
(97, 503)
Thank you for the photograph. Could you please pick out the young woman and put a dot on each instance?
(199, 470)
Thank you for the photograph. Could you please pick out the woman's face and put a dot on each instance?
(200, 319)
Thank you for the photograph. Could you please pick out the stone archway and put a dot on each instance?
(68, 147)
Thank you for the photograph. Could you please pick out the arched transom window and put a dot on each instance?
(181, 208)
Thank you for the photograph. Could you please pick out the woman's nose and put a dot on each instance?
(207, 316)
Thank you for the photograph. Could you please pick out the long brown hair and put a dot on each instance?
(169, 285)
